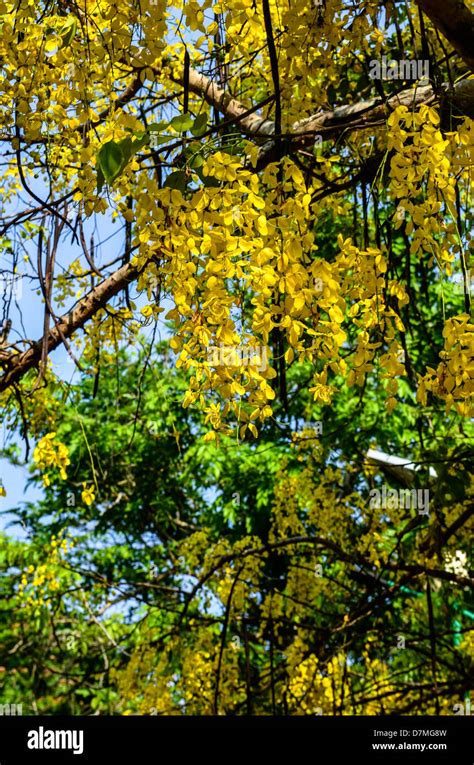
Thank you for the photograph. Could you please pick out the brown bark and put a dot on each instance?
(17, 364)
(456, 22)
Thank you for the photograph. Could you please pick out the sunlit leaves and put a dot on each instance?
(182, 122)
(68, 31)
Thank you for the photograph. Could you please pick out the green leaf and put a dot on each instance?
(196, 161)
(140, 143)
(331, 95)
(157, 127)
(235, 148)
(68, 31)
(200, 124)
(111, 160)
(100, 179)
(127, 148)
(176, 180)
(182, 122)
(194, 154)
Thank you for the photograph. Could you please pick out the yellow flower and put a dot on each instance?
(87, 495)
(51, 453)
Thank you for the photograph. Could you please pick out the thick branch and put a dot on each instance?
(359, 116)
(456, 23)
(365, 115)
(19, 363)
(251, 124)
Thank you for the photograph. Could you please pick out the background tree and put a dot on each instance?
(239, 578)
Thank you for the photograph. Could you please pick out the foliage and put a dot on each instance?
(239, 578)
(231, 175)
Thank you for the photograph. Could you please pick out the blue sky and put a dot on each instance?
(28, 313)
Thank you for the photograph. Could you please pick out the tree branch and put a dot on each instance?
(19, 363)
(455, 22)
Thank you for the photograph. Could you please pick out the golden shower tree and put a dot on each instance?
(284, 187)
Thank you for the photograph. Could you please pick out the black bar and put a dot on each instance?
(177, 739)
